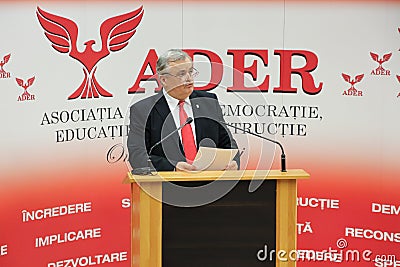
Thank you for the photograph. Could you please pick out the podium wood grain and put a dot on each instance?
(147, 218)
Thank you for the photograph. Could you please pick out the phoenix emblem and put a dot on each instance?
(115, 34)
(6, 58)
(380, 70)
(25, 85)
(352, 90)
(3, 73)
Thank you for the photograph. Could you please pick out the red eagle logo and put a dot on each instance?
(352, 90)
(6, 58)
(25, 95)
(115, 34)
(380, 61)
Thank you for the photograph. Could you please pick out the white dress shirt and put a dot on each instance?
(173, 105)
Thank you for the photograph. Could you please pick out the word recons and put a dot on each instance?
(373, 234)
(56, 211)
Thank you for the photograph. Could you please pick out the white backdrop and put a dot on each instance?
(350, 149)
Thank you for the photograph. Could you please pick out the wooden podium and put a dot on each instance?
(241, 228)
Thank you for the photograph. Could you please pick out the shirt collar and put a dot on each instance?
(173, 102)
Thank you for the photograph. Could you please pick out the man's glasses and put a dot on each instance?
(183, 74)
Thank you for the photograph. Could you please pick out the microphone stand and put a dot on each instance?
(283, 156)
(150, 169)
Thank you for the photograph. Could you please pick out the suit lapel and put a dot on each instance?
(167, 122)
(161, 107)
(197, 113)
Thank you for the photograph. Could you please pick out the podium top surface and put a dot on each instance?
(175, 176)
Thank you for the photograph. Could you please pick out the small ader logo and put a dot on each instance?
(352, 91)
(25, 95)
(4, 74)
(380, 70)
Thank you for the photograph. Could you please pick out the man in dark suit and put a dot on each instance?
(155, 117)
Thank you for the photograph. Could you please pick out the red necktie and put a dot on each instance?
(189, 145)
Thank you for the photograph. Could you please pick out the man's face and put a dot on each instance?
(177, 80)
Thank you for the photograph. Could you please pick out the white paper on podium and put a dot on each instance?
(213, 159)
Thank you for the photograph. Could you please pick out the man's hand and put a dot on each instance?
(231, 166)
(184, 166)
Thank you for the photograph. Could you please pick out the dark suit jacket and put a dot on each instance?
(151, 120)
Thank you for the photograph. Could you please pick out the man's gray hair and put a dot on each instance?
(171, 55)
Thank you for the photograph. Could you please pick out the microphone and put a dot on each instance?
(149, 169)
(283, 156)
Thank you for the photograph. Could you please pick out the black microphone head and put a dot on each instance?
(189, 120)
